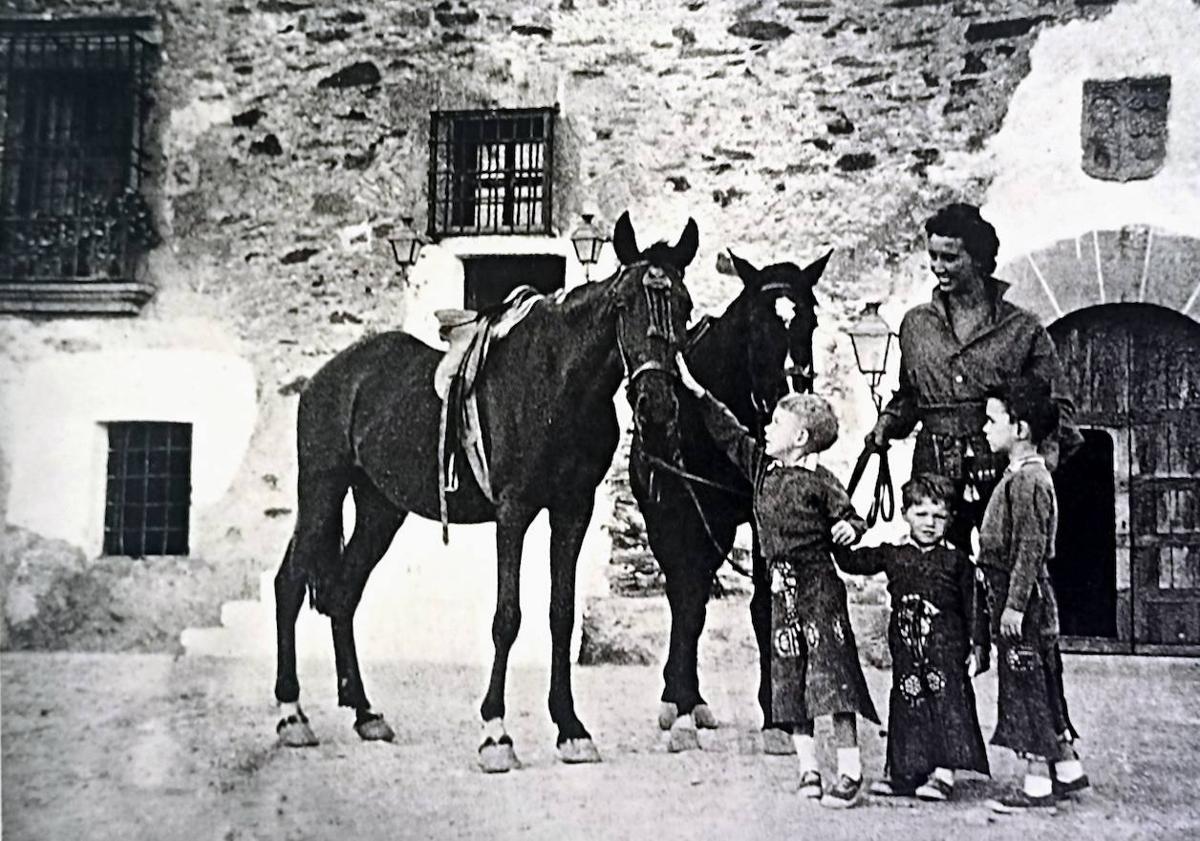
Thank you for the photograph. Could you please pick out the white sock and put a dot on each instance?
(1038, 786)
(849, 763)
(289, 709)
(493, 729)
(806, 752)
(1069, 770)
(946, 775)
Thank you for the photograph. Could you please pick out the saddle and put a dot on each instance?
(470, 335)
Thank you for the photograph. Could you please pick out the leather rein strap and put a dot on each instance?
(883, 500)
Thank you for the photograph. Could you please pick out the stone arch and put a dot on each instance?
(1132, 264)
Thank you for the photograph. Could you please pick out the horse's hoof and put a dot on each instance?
(294, 732)
(667, 713)
(704, 717)
(497, 757)
(778, 742)
(578, 751)
(683, 736)
(375, 730)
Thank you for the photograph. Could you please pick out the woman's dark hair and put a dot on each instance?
(1029, 399)
(928, 487)
(962, 221)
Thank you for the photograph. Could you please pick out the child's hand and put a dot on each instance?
(1010, 623)
(843, 533)
(979, 660)
(686, 378)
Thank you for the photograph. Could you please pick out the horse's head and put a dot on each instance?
(653, 308)
(782, 315)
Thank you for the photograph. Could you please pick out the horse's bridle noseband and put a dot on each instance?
(658, 304)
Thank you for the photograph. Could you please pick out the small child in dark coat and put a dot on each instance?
(802, 512)
(938, 641)
(1016, 543)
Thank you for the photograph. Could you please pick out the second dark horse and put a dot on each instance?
(759, 349)
(368, 423)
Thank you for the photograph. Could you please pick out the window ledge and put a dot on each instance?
(66, 298)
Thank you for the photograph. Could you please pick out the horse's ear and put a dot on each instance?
(813, 271)
(808, 277)
(684, 251)
(624, 241)
(750, 276)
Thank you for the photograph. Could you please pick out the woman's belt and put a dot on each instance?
(958, 420)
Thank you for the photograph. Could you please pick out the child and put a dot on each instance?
(1016, 540)
(932, 725)
(801, 512)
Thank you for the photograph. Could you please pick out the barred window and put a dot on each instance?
(490, 172)
(149, 493)
(74, 95)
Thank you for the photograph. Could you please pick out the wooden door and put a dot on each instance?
(1164, 482)
(1134, 369)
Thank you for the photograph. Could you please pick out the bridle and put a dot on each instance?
(658, 304)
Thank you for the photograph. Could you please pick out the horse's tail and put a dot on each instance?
(324, 581)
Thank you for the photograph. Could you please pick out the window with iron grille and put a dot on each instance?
(149, 488)
(490, 172)
(74, 96)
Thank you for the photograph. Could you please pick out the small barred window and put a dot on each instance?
(149, 493)
(490, 172)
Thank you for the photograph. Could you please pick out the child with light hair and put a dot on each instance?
(802, 511)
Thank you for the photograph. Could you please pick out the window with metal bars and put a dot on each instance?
(74, 96)
(490, 172)
(149, 493)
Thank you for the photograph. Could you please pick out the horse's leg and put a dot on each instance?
(568, 523)
(672, 694)
(316, 539)
(375, 524)
(293, 726)
(496, 752)
(688, 591)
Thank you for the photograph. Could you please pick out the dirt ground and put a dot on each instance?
(132, 746)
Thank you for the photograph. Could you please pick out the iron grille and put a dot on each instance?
(149, 488)
(490, 172)
(74, 96)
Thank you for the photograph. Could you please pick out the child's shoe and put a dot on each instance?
(935, 790)
(810, 785)
(1063, 788)
(844, 794)
(892, 788)
(1019, 801)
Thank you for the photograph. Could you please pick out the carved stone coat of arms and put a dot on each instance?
(1125, 127)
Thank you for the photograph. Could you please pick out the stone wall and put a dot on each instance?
(289, 135)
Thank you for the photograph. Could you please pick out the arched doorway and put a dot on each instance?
(1128, 553)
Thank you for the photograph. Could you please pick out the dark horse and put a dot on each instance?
(368, 423)
(759, 349)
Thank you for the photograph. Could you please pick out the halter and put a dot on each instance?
(658, 305)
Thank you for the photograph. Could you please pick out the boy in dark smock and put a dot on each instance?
(802, 511)
(936, 630)
(1016, 542)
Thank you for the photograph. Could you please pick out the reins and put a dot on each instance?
(883, 500)
(689, 480)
